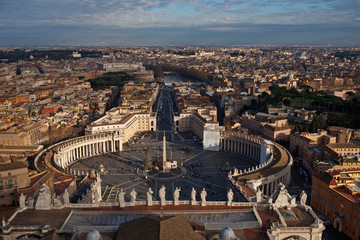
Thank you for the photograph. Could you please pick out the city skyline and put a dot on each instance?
(195, 22)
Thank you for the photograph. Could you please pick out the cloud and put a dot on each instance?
(133, 13)
(224, 29)
(132, 16)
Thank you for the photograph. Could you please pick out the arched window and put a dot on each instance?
(10, 182)
(1, 183)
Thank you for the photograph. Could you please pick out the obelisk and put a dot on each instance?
(164, 153)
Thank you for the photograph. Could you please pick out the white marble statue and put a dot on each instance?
(176, 195)
(149, 197)
(43, 201)
(193, 194)
(162, 195)
(3, 221)
(203, 197)
(282, 198)
(66, 197)
(258, 195)
(31, 202)
(230, 196)
(22, 201)
(97, 197)
(122, 197)
(98, 186)
(303, 197)
(133, 197)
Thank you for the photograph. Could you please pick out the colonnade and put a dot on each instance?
(87, 146)
(251, 146)
(270, 186)
(245, 148)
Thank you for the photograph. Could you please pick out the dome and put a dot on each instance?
(93, 235)
(227, 234)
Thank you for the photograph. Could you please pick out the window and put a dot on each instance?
(354, 220)
(10, 182)
(1, 183)
(9, 173)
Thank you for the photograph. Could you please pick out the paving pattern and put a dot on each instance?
(121, 168)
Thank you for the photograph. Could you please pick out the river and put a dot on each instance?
(178, 78)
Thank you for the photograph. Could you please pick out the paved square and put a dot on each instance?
(123, 169)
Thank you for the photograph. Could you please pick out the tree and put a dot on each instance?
(350, 93)
(253, 103)
(286, 102)
(148, 159)
(179, 164)
(318, 122)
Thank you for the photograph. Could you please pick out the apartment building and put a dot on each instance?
(27, 135)
(299, 141)
(336, 194)
(13, 176)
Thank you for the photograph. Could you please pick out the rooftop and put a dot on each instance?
(280, 161)
(297, 217)
(342, 145)
(167, 227)
(13, 165)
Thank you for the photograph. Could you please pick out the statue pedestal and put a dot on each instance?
(176, 202)
(229, 203)
(132, 204)
(193, 202)
(203, 204)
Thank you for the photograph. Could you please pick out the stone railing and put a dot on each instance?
(244, 145)
(154, 203)
(274, 154)
(249, 170)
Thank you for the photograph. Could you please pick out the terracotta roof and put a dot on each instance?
(342, 191)
(342, 145)
(275, 128)
(324, 177)
(37, 177)
(155, 227)
(336, 128)
(55, 217)
(329, 151)
(12, 165)
(248, 191)
(61, 182)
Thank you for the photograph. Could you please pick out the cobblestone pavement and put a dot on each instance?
(121, 168)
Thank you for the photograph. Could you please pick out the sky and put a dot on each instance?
(175, 22)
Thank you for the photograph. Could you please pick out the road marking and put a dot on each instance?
(186, 160)
(208, 190)
(208, 183)
(135, 184)
(203, 158)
